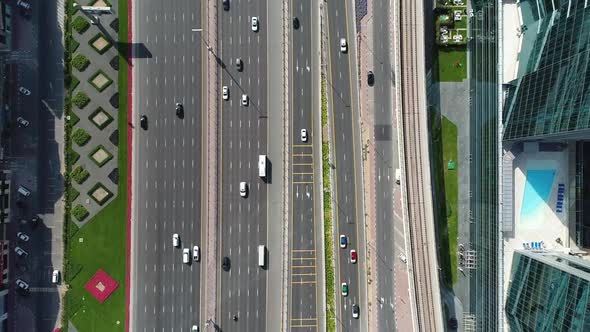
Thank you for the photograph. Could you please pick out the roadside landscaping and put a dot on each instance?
(100, 244)
(445, 154)
(329, 255)
(451, 27)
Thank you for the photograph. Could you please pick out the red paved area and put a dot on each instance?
(101, 286)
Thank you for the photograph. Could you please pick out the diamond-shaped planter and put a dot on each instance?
(100, 43)
(100, 155)
(100, 118)
(100, 80)
(100, 194)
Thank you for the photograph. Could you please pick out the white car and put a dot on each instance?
(21, 252)
(22, 236)
(403, 258)
(343, 241)
(24, 91)
(55, 277)
(303, 135)
(195, 328)
(225, 92)
(196, 253)
(243, 189)
(22, 122)
(245, 100)
(176, 240)
(343, 45)
(344, 289)
(255, 23)
(22, 284)
(186, 255)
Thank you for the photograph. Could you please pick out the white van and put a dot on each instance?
(55, 277)
(261, 255)
(24, 191)
(262, 165)
(398, 175)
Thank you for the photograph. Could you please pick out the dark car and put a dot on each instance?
(370, 78)
(452, 323)
(225, 263)
(35, 221)
(355, 311)
(295, 23)
(143, 121)
(225, 4)
(239, 64)
(179, 110)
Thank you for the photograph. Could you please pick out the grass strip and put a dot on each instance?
(105, 235)
(329, 255)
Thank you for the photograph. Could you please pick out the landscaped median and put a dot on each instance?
(95, 249)
(328, 235)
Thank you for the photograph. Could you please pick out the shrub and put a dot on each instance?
(81, 137)
(80, 100)
(80, 62)
(80, 174)
(72, 157)
(72, 194)
(80, 24)
(74, 83)
(80, 212)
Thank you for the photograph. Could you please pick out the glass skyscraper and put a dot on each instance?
(548, 292)
(551, 97)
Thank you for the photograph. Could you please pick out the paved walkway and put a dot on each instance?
(106, 137)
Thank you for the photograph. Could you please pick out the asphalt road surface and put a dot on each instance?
(244, 132)
(386, 162)
(168, 186)
(345, 114)
(304, 253)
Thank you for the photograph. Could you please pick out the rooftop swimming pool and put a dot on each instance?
(537, 189)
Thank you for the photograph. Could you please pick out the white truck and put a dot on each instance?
(398, 175)
(262, 165)
(261, 255)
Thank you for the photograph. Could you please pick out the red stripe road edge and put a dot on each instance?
(129, 156)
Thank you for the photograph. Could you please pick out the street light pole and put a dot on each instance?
(209, 48)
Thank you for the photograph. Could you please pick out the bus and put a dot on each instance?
(261, 255)
(262, 165)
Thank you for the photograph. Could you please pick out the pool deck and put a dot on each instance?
(546, 224)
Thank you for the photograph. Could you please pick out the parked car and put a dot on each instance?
(22, 122)
(22, 284)
(55, 277)
(21, 252)
(22, 89)
(22, 236)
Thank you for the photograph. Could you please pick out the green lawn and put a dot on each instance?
(104, 243)
(449, 144)
(452, 65)
(444, 147)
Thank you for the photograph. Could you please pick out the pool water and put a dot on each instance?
(537, 189)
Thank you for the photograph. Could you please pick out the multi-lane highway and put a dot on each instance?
(417, 181)
(243, 137)
(167, 164)
(343, 98)
(389, 226)
(304, 253)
